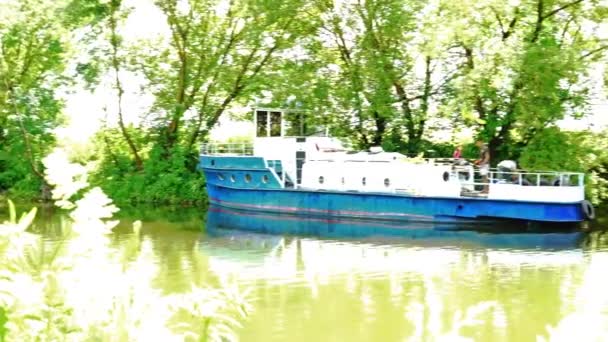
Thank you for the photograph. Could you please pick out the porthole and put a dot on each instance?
(446, 176)
(232, 179)
(247, 178)
(321, 180)
(387, 182)
(363, 180)
(220, 176)
(212, 162)
(264, 179)
(342, 180)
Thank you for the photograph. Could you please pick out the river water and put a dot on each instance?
(332, 284)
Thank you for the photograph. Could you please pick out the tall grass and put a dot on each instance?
(80, 288)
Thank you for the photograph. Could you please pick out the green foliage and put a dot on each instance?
(377, 72)
(59, 291)
(162, 180)
(85, 12)
(356, 71)
(524, 66)
(239, 140)
(33, 56)
(394, 142)
(553, 149)
(595, 163)
(240, 43)
(3, 320)
(214, 56)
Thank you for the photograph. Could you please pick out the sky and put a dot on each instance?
(86, 110)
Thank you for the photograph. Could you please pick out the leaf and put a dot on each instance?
(27, 219)
(12, 212)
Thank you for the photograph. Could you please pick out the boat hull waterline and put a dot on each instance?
(393, 207)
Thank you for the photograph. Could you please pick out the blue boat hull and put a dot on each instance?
(385, 206)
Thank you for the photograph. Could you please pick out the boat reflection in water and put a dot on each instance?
(222, 221)
(348, 280)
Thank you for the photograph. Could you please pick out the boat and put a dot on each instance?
(294, 167)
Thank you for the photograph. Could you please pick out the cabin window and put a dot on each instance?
(446, 176)
(275, 124)
(261, 119)
(279, 123)
(247, 178)
(342, 180)
(212, 162)
(220, 176)
(301, 124)
(363, 181)
(387, 182)
(232, 179)
(321, 180)
(264, 179)
(294, 124)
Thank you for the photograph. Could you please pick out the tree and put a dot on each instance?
(373, 67)
(32, 59)
(553, 149)
(526, 66)
(216, 53)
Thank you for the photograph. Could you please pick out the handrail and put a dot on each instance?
(557, 178)
(239, 149)
(476, 168)
(494, 176)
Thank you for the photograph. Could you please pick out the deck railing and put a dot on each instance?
(545, 178)
(238, 149)
(472, 175)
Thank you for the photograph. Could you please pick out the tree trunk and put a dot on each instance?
(116, 66)
(380, 129)
(29, 152)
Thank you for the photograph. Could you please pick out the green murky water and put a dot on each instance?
(305, 288)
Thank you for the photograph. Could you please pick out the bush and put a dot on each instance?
(586, 152)
(553, 149)
(174, 180)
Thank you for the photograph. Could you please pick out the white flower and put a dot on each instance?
(67, 178)
(92, 209)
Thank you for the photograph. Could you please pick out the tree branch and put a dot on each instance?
(559, 9)
(471, 65)
(114, 42)
(565, 30)
(424, 107)
(539, 21)
(26, 138)
(502, 28)
(592, 52)
(512, 24)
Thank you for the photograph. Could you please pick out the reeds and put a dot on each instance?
(80, 288)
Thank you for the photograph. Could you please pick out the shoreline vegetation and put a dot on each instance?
(421, 78)
(63, 298)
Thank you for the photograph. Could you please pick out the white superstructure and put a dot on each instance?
(318, 162)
